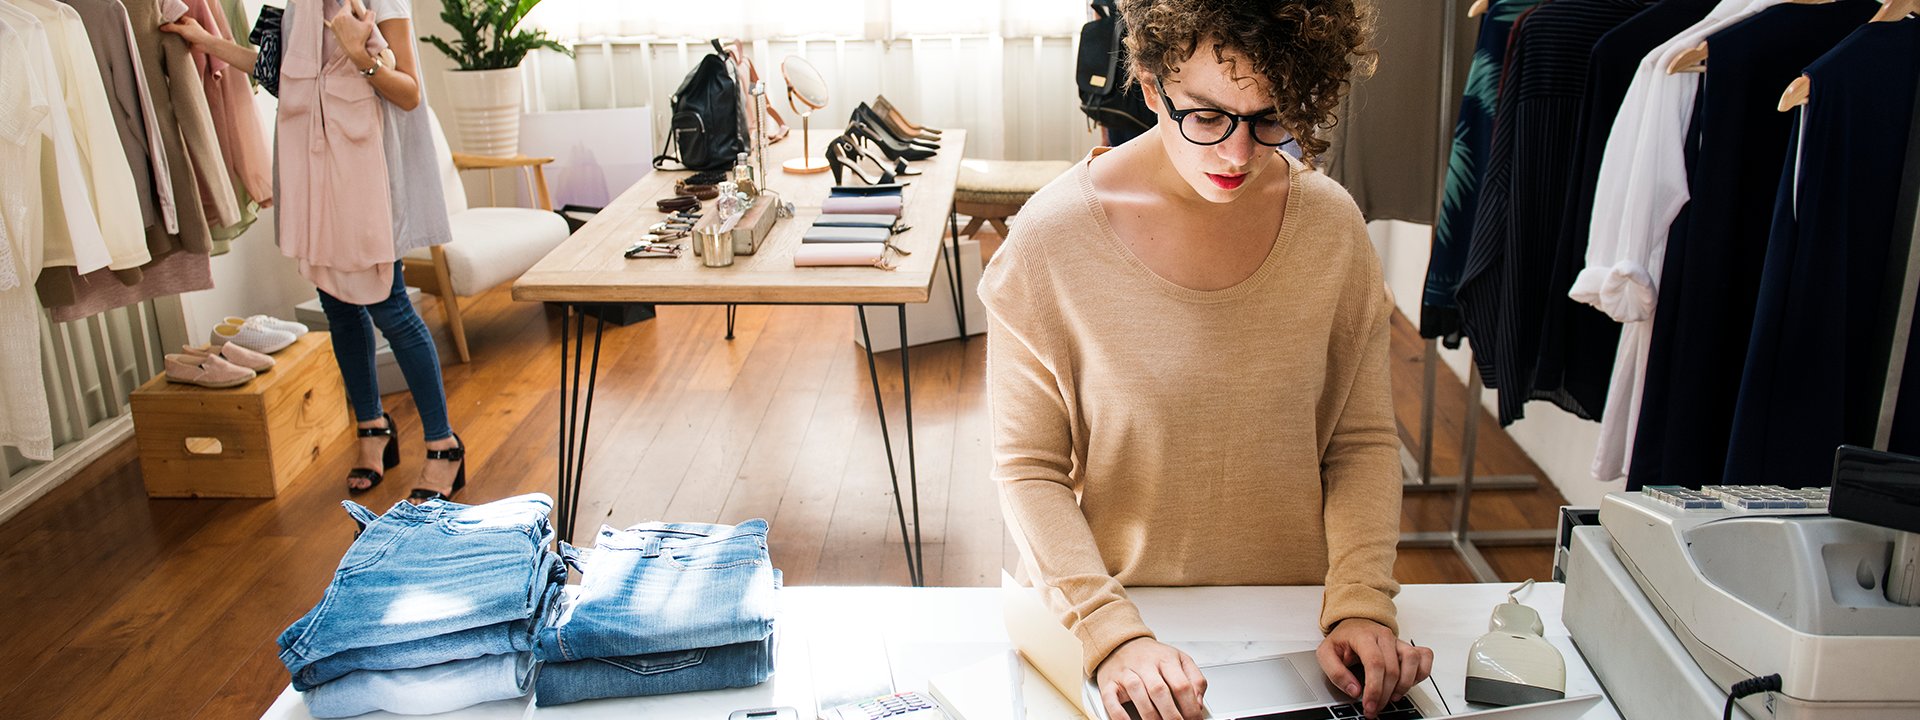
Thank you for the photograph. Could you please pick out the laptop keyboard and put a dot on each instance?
(1402, 709)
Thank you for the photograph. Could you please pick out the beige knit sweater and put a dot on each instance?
(1147, 434)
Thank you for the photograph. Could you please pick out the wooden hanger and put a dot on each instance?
(1801, 89)
(1478, 8)
(1690, 60)
(1797, 93)
(1894, 10)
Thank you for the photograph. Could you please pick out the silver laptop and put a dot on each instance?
(1292, 687)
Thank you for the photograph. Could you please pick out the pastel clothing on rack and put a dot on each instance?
(109, 177)
(236, 122)
(105, 22)
(24, 123)
(71, 234)
(335, 214)
(184, 125)
(102, 290)
(1281, 468)
(163, 182)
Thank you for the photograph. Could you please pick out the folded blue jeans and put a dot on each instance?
(425, 691)
(738, 665)
(496, 639)
(425, 571)
(665, 587)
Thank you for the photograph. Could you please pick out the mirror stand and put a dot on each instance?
(806, 164)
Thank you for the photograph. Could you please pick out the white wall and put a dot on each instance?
(1560, 443)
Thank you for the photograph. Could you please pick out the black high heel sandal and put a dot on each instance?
(458, 453)
(843, 158)
(900, 167)
(388, 457)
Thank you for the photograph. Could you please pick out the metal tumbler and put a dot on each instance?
(716, 245)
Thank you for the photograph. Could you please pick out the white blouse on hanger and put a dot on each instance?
(72, 235)
(108, 176)
(1641, 189)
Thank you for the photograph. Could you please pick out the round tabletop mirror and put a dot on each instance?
(806, 92)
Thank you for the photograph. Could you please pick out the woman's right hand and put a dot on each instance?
(1161, 682)
(190, 30)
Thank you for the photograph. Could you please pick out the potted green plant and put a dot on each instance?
(485, 90)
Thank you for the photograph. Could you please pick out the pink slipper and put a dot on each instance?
(210, 371)
(233, 353)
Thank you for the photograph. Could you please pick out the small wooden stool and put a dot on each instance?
(990, 191)
(247, 441)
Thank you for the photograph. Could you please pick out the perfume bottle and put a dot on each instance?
(743, 176)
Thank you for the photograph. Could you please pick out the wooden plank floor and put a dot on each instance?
(120, 606)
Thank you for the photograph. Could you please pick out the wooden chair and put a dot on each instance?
(491, 245)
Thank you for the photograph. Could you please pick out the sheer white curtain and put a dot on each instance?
(1001, 69)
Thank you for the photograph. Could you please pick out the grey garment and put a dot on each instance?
(106, 23)
(1386, 147)
(413, 168)
(186, 128)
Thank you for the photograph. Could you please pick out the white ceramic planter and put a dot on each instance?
(486, 109)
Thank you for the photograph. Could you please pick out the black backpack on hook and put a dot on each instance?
(706, 118)
(1100, 72)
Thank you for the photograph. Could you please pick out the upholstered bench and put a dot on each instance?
(990, 191)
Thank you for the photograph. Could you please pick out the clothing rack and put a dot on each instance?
(1418, 476)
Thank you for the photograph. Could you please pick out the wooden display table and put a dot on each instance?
(247, 441)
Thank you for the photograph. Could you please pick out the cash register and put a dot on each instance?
(1801, 604)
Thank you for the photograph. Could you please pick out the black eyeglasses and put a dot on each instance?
(1212, 126)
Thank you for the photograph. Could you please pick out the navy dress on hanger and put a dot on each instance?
(1712, 269)
(1811, 382)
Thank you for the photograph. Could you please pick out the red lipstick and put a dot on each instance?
(1227, 182)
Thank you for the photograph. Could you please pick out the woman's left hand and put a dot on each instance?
(353, 26)
(1392, 666)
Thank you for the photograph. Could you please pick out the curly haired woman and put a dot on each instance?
(1187, 359)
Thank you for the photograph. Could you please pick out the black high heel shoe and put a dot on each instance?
(388, 457)
(900, 167)
(893, 151)
(458, 453)
(842, 157)
(866, 115)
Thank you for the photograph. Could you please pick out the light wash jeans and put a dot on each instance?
(428, 571)
(665, 587)
(738, 665)
(496, 639)
(425, 691)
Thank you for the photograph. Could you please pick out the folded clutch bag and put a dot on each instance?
(832, 254)
(817, 234)
(879, 221)
(877, 205)
(864, 190)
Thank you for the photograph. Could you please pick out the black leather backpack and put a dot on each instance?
(1105, 96)
(706, 124)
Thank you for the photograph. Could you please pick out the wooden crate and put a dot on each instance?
(248, 441)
